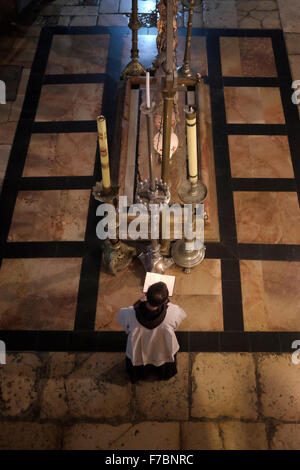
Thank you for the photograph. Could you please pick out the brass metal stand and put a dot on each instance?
(116, 254)
(134, 67)
(185, 69)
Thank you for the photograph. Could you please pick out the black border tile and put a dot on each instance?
(234, 341)
(264, 341)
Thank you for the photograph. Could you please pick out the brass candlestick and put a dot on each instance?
(185, 69)
(134, 68)
(116, 254)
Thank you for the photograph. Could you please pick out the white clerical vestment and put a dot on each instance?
(151, 346)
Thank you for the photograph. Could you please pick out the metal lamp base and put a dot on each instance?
(134, 69)
(192, 193)
(117, 256)
(186, 259)
(102, 195)
(184, 71)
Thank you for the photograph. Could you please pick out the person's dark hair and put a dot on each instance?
(157, 294)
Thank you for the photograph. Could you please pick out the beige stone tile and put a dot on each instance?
(50, 215)
(83, 21)
(244, 436)
(295, 66)
(29, 436)
(17, 105)
(268, 289)
(247, 57)
(112, 20)
(39, 294)
(289, 15)
(4, 156)
(18, 51)
(258, 14)
(86, 436)
(204, 279)
(109, 6)
(219, 14)
(149, 436)
(129, 285)
(200, 436)
(224, 385)
(286, 437)
(79, 10)
(168, 400)
(61, 154)
(64, 21)
(54, 400)
(5, 111)
(292, 42)
(18, 388)
(253, 105)
(78, 54)
(260, 156)
(61, 364)
(204, 312)
(70, 102)
(267, 217)
(7, 132)
(99, 387)
(280, 382)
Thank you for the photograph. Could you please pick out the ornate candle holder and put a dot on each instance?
(183, 251)
(134, 68)
(152, 191)
(116, 254)
(185, 70)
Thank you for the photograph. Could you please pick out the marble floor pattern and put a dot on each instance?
(218, 400)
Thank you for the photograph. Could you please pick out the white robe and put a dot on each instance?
(156, 346)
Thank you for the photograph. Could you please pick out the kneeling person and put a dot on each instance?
(150, 324)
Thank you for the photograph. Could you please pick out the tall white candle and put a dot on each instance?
(190, 115)
(148, 89)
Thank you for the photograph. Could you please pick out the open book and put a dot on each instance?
(152, 278)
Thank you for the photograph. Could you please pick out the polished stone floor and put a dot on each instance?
(237, 387)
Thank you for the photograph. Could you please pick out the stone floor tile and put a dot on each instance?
(200, 436)
(74, 102)
(224, 385)
(78, 53)
(18, 51)
(29, 436)
(79, 11)
(280, 383)
(292, 41)
(4, 156)
(112, 20)
(86, 436)
(71, 154)
(5, 111)
(18, 388)
(289, 15)
(39, 294)
(99, 387)
(109, 6)
(263, 302)
(219, 14)
(17, 105)
(149, 436)
(244, 436)
(260, 156)
(60, 364)
(50, 215)
(7, 132)
(258, 222)
(156, 400)
(54, 403)
(286, 437)
(295, 66)
(64, 21)
(83, 21)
